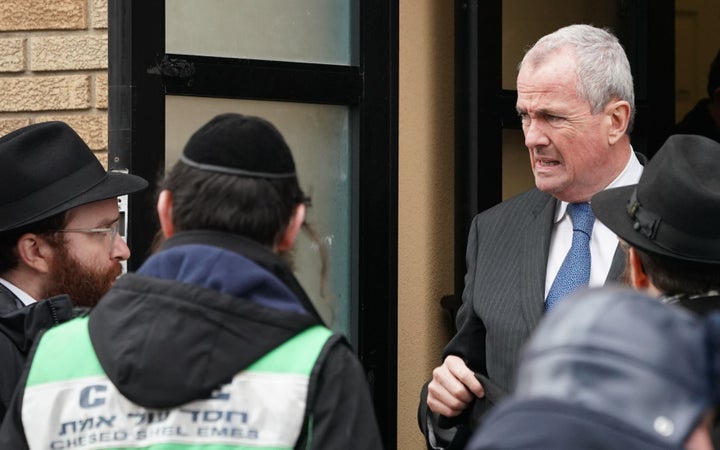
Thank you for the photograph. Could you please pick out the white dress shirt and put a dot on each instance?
(603, 242)
(24, 298)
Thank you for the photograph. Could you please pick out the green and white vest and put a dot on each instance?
(70, 403)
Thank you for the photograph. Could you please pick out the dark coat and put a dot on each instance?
(702, 306)
(698, 121)
(534, 424)
(503, 299)
(8, 300)
(201, 310)
(609, 369)
(18, 331)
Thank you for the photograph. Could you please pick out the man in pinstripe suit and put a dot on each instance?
(576, 102)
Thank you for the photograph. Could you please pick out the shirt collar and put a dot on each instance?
(23, 296)
(629, 175)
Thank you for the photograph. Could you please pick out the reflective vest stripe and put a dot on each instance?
(72, 404)
(65, 342)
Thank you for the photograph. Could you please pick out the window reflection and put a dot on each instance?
(318, 136)
(316, 31)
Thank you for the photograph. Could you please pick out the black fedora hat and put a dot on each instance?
(46, 169)
(674, 210)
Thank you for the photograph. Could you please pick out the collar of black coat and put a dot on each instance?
(250, 249)
(23, 325)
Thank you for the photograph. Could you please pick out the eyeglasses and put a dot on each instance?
(112, 229)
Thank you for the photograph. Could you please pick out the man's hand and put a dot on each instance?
(452, 388)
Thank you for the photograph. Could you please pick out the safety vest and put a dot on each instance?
(70, 403)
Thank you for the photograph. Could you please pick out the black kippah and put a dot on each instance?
(240, 145)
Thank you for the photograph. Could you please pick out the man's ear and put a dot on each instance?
(35, 252)
(164, 210)
(638, 278)
(292, 230)
(619, 114)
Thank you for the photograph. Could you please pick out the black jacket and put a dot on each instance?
(534, 424)
(609, 369)
(8, 301)
(503, 301)
(702, 306)
(204, 308)
(18, 330)
(699, 121)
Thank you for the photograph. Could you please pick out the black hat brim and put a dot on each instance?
(610, 207)
(114, 184)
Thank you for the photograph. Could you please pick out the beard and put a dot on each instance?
(84, 285)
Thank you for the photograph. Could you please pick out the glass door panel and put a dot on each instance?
(317, 31)
(319, 137)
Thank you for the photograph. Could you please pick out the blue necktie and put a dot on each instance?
(575, 269)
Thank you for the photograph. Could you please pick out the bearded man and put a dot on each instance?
(59, 243)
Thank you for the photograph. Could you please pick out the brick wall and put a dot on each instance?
(53, 66)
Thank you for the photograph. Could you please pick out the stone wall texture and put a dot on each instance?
(53, 66)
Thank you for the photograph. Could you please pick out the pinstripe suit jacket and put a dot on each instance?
(503, 299)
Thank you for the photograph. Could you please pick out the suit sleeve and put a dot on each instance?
(469, 344)
(469, 341)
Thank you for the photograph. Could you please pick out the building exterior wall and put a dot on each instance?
(426, 145)
(53, 66)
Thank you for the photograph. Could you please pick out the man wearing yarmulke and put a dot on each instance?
(212, 343)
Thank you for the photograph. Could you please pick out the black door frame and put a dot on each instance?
(141, 74)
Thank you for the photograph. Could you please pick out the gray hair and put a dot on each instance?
(603, 70)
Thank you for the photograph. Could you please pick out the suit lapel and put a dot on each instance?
(534, 261)
(617, 267)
